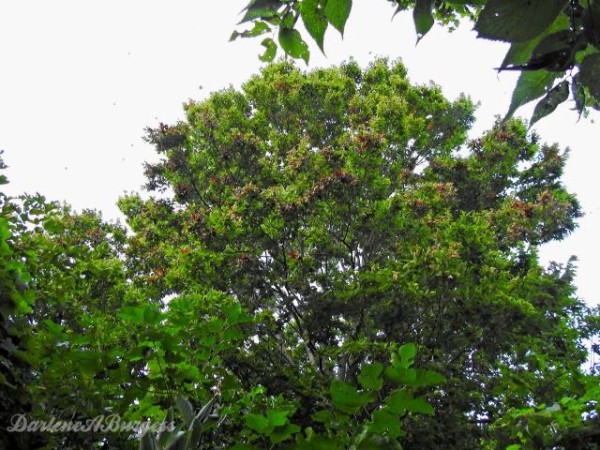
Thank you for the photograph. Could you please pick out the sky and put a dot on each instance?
(81, 79)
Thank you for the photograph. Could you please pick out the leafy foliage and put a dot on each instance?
(548, 38)
(328, 264)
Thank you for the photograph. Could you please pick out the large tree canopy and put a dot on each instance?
(336, 206)
(548, 39)
(326, 263)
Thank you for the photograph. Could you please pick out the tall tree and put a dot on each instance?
(345, 210)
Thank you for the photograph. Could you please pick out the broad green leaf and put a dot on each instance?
(418, 405)
(256, 422)
(257, 9)
(277, 418)
(270, 50)
(337, 12)
(589, 74)
(292, 43)
(553, 98)
(396, 401)
(423, 17)
(53, 327)
(530, 85)
(284, 432)
(133, 314)
(313, 16)
(517, 20)
(407, 354)
(401, 375)
(383, 421)
(370, 376)
(429, 378)
(322, 416)
(346, 398)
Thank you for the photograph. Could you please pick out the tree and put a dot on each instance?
(548, 39)
(346, 214)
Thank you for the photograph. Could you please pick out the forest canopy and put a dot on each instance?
(325, 261)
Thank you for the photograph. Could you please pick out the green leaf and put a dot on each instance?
(258, 29)
(315, 21)
(133, 314)
(322, 416)
(277, 418)
(337, 12)
(589, 74)
(517, 20)
(407, 354)
(282, 433)
(370, 376)
(429, 378)
(383, 421)
(53, 327)
(292, 43)
(423, 17)
(270, 50)
(396, 401)
(418, 405)
(401, 375)
(530, 85)
(553, 98)
(261, 9)
(399, 401)
(346, 398)
(186, 409)
(256, 422)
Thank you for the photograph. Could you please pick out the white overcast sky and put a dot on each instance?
(80, 79)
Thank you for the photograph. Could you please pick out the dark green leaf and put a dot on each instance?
(337, 12)
(589, 74)
(284, 432)
(258, 9)
(553, 98)
(292, 43)
(313, 16)
(530, 85)
(517, 20)
(423, 17)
